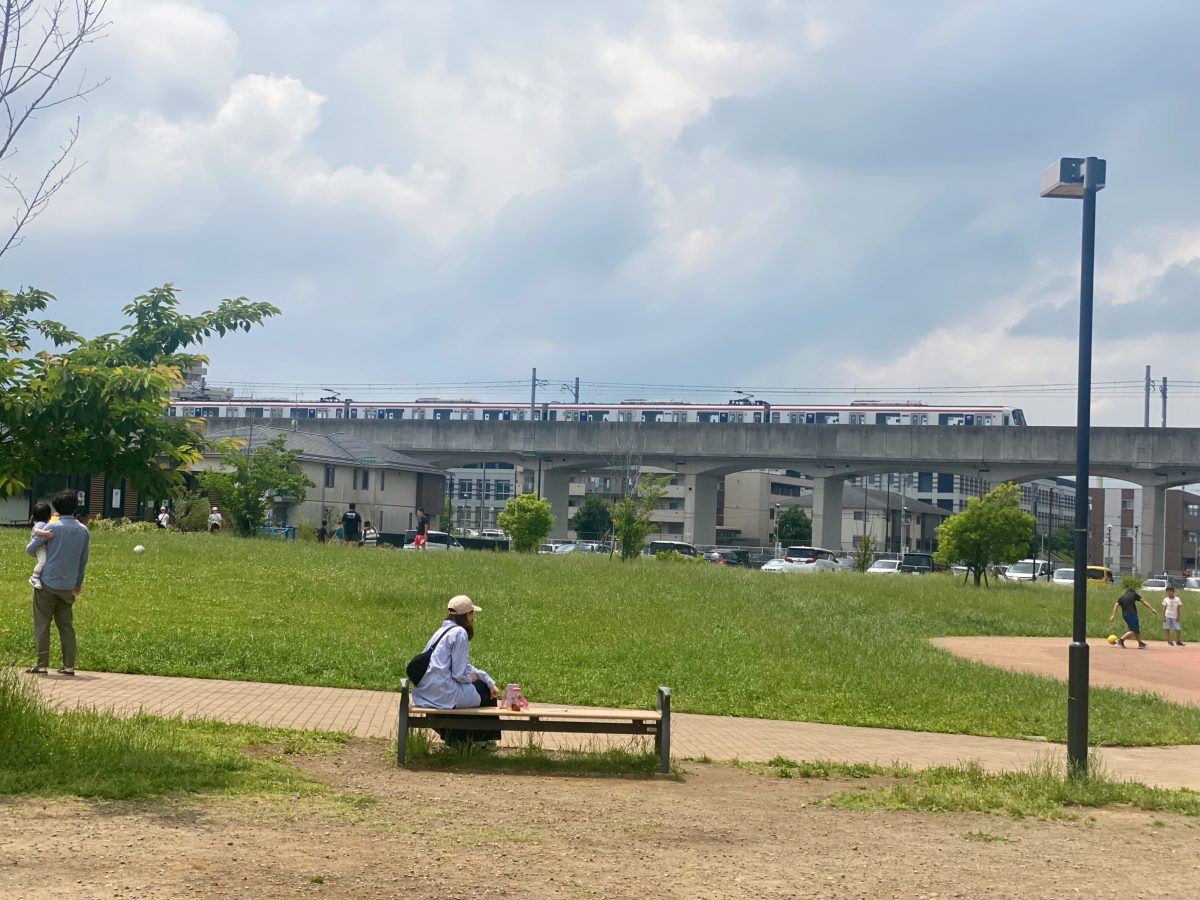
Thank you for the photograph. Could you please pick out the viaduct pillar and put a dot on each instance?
(827, 512)
(1151, 549)
(556, 487)
(700, 510)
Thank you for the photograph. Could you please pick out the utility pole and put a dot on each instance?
(1146, 417)
(533, 392)
(1164, 398)
(576, 388)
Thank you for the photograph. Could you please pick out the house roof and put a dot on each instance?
(337, 448)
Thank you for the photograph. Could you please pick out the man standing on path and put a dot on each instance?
(62, 582)
(351, 525)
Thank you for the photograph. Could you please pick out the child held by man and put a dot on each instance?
(41, 516)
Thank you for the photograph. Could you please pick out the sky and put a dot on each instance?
(822, 197)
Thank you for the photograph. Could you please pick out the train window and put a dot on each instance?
(987, 420)
(550, 414)
(810, 418)
(828, 418)
(651, 415)
(758, 418)
(950, 419)
(969, 419)
(520, 415)
(774, 417)
(254, 412)
(276, 412)
(418, 414)
(491, 415)
(706, 417)
(442, 414)
(858, 418)
(887, 418)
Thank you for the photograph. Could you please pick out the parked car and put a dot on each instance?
(545, 549)
(1028, 570)
(1192, 584)
(846, 563)
(671, 546)
(916, 563)
(884, 567)
(1098, 573)
(494, 534)
(729, 557)
(1064, 575)
(804, 559)
(435, 540)
(1154, 584)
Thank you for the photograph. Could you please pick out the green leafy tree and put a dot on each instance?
(631, 514)
(91, 406)
(593, 520)
(527, 520)
(794, 526)
(249, 484)
(992, 529)
(1062, 541)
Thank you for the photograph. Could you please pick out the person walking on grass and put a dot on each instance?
(62, 583)
(1171, 605)
(422, 536)
(351, 525)
(1127, 603)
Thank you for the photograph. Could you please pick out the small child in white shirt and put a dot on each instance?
(41, 515)
(1170, 606)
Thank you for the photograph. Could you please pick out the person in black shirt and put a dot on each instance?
(422, 535)
(351, 525)
(1127, 603)
(323, 533)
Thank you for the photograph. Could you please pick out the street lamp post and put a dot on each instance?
(1083, 179)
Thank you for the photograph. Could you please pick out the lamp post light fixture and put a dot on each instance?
(1075, 178)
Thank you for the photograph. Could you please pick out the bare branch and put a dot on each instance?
(32, 81)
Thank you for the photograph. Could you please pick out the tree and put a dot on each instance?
(38, 44)
(527, 520)
(864, 553)
(631, 514)
(1062, 541)
(794, 526)
(249, 484)
(191, 510)
(593, 519)
(992, 529)
(96, 406)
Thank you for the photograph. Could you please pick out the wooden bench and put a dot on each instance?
(542, 717)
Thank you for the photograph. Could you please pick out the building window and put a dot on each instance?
(1127, 503)
(464, 489)
(859, 515)
(503, 490)
(366, 478)
(945, 483)
(1191, 509)
(381, 479)
(330, 472)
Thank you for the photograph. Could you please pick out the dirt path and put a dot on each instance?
(718, 832)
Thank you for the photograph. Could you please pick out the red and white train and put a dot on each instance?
(858, 412)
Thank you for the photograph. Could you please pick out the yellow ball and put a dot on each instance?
(1112, 638)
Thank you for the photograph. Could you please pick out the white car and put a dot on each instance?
(884, 567)
(1028, 570)
(1154, 584)
(804, 559)
(1063, 575)
(1193, 584)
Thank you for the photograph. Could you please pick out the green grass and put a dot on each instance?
(842, 648)
(88, 754)
(1040, 792)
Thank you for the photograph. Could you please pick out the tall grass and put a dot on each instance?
(95, 755)
(839, 648)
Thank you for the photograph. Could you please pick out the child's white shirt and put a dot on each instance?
(1171, 606)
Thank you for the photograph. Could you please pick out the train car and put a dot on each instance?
(858, 412)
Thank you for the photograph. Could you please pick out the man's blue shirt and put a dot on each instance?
(66, 553)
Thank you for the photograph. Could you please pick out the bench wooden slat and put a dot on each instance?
(543, 712)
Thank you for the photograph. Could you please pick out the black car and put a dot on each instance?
(917, 563)
(729, 557)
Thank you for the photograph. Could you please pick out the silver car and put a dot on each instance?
(804, 559)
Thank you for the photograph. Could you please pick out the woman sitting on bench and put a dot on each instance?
(451, 682)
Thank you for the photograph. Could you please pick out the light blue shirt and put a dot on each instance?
(66, 553)
(447, 683)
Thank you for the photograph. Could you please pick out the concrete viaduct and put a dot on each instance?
(1153, 458)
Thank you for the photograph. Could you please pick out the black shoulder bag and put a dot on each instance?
(419, 664)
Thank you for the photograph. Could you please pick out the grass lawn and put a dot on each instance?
(838, 648)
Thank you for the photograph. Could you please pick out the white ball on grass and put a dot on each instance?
(139, 549)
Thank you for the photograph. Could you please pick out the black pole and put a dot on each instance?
(1077, 676)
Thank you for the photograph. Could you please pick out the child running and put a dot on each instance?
(1127, 604)
(1170, 606)
(41, 515)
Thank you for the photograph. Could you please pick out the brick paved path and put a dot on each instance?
(373, 714)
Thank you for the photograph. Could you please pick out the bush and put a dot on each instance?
(676, 556)
(121, 526)
(1131, 582)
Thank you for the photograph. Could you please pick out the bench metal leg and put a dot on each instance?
(662, 741)
(402, 727)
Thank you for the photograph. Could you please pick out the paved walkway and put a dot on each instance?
(373, 714)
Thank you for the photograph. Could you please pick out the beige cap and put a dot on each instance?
(462, 605)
